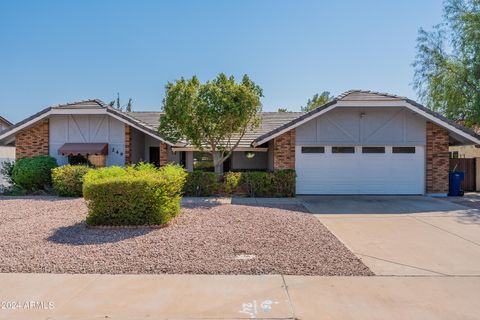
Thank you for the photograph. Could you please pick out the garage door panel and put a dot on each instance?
(358, 173)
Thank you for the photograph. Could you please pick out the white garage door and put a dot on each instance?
(360, 170)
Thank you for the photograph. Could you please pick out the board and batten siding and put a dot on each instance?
(364, 126)
(88, 129)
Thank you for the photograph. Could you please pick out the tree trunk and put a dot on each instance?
(217, 158)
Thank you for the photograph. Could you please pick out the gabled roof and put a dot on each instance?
(353, 97)
(88, 106)
(268, 122)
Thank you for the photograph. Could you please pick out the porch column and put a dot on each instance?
(128, 145)
(163, 154)
(284, 151)
(437, 159)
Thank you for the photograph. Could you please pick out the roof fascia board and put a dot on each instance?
(371, 104)
(52, 111)
(78, 111)
(442, 123)
(299, 123)
(125, 119)
(43, 114)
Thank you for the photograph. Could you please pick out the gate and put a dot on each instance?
(467, 166)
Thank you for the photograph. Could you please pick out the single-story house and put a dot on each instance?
(361, 142)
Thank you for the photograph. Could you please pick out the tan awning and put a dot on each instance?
(83, 149)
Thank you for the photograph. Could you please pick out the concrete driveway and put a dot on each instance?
(404, 235)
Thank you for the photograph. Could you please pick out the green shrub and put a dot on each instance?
(34, 173)
(202, 184)
(231, 182)
(278, 183)
(284, 183)
(139, 195)
(257, 184)
(68, 180)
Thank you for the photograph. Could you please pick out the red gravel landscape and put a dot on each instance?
(48, 234)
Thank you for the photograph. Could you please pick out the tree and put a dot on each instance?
(282, 110)
(317, 100)
(212, 116)
(117, 105)
(447, 64)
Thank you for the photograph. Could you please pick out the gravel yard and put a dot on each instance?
(48, 234)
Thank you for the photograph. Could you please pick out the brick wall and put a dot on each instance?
(284, 151)
(128, 145)
(32, 141)
(437, 159)
(163, 154)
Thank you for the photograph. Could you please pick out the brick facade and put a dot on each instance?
(128, 145)
(284, 151)
(163, 154)
(437, 159)
(32, 141)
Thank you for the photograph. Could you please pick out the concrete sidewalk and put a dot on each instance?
(50, 296)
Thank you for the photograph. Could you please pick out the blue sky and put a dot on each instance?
(59, 51)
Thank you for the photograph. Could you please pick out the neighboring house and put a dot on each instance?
(472, 151)
(4, 124)
(362, 142)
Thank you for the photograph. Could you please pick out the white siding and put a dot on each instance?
(88, 129)
(363, 126)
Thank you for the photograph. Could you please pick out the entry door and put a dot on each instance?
(155, 156)
(327, 170)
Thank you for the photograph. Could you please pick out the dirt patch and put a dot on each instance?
(48, 234)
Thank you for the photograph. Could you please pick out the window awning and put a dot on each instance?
(83, 149)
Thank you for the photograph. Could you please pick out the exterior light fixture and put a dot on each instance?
(249, 154)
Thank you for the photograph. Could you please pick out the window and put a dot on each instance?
(202, 161)
(373, 149)
(343, 149)
(313, 149)
(403, 150)
(453, 155)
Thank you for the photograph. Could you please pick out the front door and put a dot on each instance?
(155, 156)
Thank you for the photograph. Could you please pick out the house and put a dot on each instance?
(361, 142)
(4, 123)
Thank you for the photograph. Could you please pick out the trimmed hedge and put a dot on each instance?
(34, 173)
(68, 180)
(139, 195)
(278, 183)
(202, 184)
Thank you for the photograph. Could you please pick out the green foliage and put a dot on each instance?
(213, 116)
(282, 110)
(138, 195)
(6, 170)
(34, 173)
(317, 101)
(231, 182)
(68, 180)
(447, 65)
(118, 105)
(202, 184)
(283, 182)
(14, 191)
(279, 183)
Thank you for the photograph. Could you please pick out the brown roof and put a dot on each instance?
(269, 121)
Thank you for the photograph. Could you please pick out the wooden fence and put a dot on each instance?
(469, 168)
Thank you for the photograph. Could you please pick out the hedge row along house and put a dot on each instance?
(361, 142)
